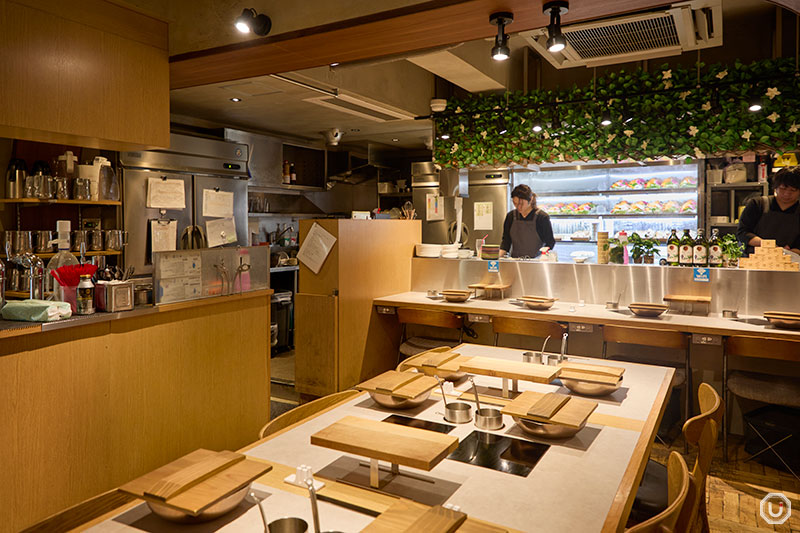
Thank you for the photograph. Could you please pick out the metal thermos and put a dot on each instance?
(15, 178)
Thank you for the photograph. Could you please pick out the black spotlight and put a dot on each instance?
(249, 21)
(556, 42)
(500, 50)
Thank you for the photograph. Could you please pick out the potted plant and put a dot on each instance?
(732, 250)
(615, 252)
(643, 249)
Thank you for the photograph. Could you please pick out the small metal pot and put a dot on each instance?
(43, 238)
(396, 402)
(22, 242)
(80, 236)
(730, 313)
(546, 431)
(458, 412)
(143, 295)
(612, 305)
(288, 525)
(488, 418)
(96, 240)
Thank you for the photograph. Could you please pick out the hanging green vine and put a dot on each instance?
(653, 114)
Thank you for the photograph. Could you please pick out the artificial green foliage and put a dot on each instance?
(673, 116)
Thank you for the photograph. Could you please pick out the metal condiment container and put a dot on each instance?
(85, 298)
(113, 297)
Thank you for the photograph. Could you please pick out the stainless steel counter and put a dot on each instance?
(752, 291)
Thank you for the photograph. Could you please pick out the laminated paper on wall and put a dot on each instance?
(315, 248)
(434, 207)
(484, 216)
(165, 194)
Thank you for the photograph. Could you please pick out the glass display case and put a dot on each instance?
(648, 198)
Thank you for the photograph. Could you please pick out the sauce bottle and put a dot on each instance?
(700, 250)
(673, 249)
(85, 299)
(686, 252)
(714, 249)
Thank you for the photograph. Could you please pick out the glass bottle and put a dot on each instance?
(292, 173)
(685, 254)
(673, 248)
(286, 172)
(700, 250)
(62, 258)
(714, 249)
(85, 299)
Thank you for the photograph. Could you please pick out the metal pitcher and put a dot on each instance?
(95, 240)
(43, 239)
(116, 239)
(80, 236)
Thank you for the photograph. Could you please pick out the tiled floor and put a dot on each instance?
(734, 490)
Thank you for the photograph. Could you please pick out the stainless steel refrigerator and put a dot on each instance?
(201, 164)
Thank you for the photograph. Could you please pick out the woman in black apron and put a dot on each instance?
(774, 217)
(527, 228)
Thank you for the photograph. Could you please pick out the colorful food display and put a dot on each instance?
(654, 183)
(653, 207)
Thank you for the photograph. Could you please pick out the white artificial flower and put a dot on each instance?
(496, 107)
(476, 116)
(628, 133)
(666, 74)
(594, 145)
(698, 153)
(793, 128)
(706, 106)
(587, 115)
(484, 134)
(774, 117)
(746, 135)
(644, 145)
(684, 94)
(561, 157)
(693, 130)
(611, 137)
(461, 127)
(667, 84)
(556, 143)
(772, 92)
(454, 148)
(722, 74)
(546, 135)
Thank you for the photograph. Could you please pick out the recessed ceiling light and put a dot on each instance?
(234, 99)
(395, 140)
(334, 64)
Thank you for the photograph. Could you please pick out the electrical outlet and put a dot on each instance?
(385, 310)
(699, 338)
(581, 328)
(478, 318)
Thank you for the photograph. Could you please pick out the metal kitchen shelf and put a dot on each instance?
(725, 225)
(629, 215)
(48, 255)
(274, 214)
(37, 201)
(734, 186)
(619, 192)
(394, 194)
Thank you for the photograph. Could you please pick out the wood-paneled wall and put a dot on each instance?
(89, 73)
(85, 409)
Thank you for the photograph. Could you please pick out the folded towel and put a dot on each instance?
(36, 310)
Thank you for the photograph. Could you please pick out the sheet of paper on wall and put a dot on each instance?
(483, 216)
(180, 265)
(163, 235)
(315, 248)
(434, 207)
(217, 204)
(165, 194)
(220, 231)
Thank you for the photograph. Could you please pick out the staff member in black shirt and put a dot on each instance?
(774, 217)
(527, 228)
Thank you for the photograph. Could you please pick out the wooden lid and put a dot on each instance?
(573, 412)
(614, 371)
(686, 298)
(388, 382)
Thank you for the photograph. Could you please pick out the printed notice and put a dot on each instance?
(484, 215)
(217, 203)
(434, 207)
(315, 248)
(220, 231)
(180, 265)
(165, 194)
(163, 235)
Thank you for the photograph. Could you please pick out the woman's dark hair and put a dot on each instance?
(523, 192)
(789, 176)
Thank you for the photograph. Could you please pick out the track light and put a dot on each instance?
(249, 21)
(556, 42)
(755, 104)
(605, 119)
(500, 50)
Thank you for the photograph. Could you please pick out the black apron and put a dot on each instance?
(525, 240)
(783, 227)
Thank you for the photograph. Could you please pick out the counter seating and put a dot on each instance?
(701, 431)
(771, 389)
(657, 338)
(426, 317)
(682, 489)
(529, 327)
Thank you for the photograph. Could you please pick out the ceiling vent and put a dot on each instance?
(360, 108)
(667, 32)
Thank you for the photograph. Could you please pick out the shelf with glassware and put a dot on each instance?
(48, 201)
(725, 202)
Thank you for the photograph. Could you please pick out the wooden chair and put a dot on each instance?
(426, 317)
(701, 431)
(304, 411)
(526, 326)
(771, 389)
(681, 490)
(657, 338)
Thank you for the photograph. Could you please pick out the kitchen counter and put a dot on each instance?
(574, 312)
(13, 328)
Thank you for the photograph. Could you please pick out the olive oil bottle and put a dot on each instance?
(686, 252)
(714, 249)
(673, 249)
(700, 250)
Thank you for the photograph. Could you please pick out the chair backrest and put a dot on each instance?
(528, 326)
(427, 317)
(762, 347)
(304, 411)
(681, 487)
(663, 338)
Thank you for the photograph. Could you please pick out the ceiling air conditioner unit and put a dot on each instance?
(666, 32)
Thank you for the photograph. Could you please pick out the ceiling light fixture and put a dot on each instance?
(445, 136)
(395, 140)
(249, 21)
(500, 50)
(755, 104)
(605, 119)
(334, 64)
(556, 41)
(537, 127)
(234, 99)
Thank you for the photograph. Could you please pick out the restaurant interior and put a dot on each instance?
(455, 265)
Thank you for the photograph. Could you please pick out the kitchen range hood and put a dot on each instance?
(354, 166)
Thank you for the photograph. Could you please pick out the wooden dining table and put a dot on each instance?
(583, 483)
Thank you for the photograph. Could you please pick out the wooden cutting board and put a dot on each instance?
(408, 446)
(573, 414)
(547, 406)
(605, 379)
(402, 515)
(387, 382)
(415, 388)
(195, 472)
(437, 519)
(501, 368)
(782, 314)
(538, 298)
(454, 365)
(585, 368)
(498, 286)
(477, 286)
(437, 356)
(686, 298)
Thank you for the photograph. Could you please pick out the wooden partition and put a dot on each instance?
(84, 409)
(371, 258)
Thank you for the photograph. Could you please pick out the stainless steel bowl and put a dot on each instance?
(488, 418)
(288, 525)
(458, 412)
(396, 402)
(647, 311)
(223, 506)
(589, 388)
(546, 431)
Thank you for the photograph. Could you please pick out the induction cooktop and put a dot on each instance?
(504, 454)
(417, 423)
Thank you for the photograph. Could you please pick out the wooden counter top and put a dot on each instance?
(15, 328)
(592, 314)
